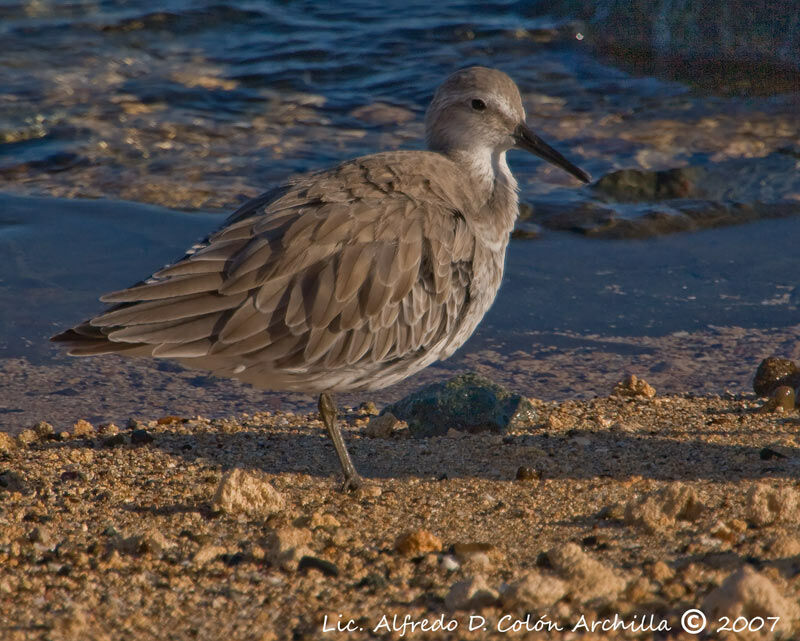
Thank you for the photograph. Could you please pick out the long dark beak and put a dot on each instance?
(529, 141)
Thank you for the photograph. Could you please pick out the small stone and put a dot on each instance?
(449, 563)
(114, 441)
(464, 551)
(586, 577)
(42, 536)
(766, 505)
(72, 475)
(661, 572)
(634, 387)
(7, 443)
(746, 593)
(417, 543)
(368, 407)
(208, 553)
(315, 563)
(525, 473)
(781, 399)
(83, 429)
(785, 546)
(26, 437)
(168, 420)
(109, 429)
(324, 521)
(13, 482)
(368, 490)
(383, 426)
(141, 437)
(659, 510)
(287, 545)
(773, 372)
(534, 591)
(44, 430)
(467, 403)
(470, 594)
(247, 492)
(638, 590)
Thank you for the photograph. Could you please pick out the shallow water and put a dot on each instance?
(62, 254)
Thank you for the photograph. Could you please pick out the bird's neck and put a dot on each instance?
(497, 189)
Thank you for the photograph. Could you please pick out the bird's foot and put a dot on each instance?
(352, 483)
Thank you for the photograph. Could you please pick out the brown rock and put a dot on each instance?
(247, 492)
(384, 426)
(534, 591)
(470, 594)
(83, 429)
(773, 372)
(750, 594)
(417, 543)
(208, 553)
(43, 430)
(766, 505)
(658, 511)
(7, 443)
(287, 545)
(586, 577)
(634, 387)
(26, 437)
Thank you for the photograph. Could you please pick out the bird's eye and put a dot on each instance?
(478, 105)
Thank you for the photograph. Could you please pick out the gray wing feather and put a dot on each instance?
(324, 274)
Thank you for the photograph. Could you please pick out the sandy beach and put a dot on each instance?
(634, 507)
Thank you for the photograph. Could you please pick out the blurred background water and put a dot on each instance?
(687, 115)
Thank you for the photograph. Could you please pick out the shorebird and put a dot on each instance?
(352, 278)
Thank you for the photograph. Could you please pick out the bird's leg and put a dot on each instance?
(327, 411)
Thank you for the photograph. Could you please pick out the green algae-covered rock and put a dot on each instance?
(468, 403)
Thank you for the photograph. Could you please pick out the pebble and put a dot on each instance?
(114, 441)
(749, 594)
(383, 426)
(634, 387)
(659, 510)
(208, 553)
(83, 429)
(7, 443)
(417, 543)
(368, 407)
(44, 430)
(26, 437)
(782, 399)
(109, 429)
(534, 591)
(287, 545)
(785, 546)
(773, 372)
(315, 563)
(525, 473)
(586, 577)
(449, 563)
(468, 403)
(471, 594)
(141, 437)
(766, 505)
(247, 492)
